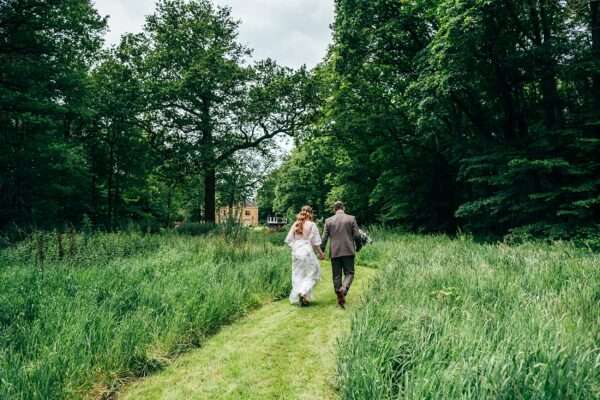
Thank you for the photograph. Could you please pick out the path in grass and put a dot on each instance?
(277, 352)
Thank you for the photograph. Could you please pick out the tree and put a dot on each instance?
(304, 179)
(595, 33)
(45, 50)
(238, 179)
(206, 103)
(111, 137)
(442, 113)
(376, 51)
(265, 195)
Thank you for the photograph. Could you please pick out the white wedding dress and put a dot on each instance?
(306, 271)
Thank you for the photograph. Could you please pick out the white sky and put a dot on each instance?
(292, 32)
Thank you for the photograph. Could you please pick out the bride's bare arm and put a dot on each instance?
(319, 252)
(315, 240)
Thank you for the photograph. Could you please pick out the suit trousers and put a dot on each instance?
(342, 266)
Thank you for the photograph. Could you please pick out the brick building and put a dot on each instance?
(246, 215)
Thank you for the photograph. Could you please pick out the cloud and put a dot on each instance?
(292, 32)
(124, 16)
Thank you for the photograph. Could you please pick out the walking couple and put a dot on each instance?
(306, 243)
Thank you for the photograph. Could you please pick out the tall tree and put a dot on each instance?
(206, 101)
(112, 136)
(305, 178)
(238, 179)
(46, 48)
(480, 114)
(595, 30)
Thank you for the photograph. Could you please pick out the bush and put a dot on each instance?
(588, 238)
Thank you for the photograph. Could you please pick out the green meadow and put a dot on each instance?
(82, 314)
(141, 316)
(452, 319)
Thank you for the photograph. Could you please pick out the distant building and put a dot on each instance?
(246, 215)
(276, 223)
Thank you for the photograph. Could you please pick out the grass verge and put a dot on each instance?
(121, 307)
(454, 319)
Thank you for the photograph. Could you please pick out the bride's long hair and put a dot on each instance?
(306, 214)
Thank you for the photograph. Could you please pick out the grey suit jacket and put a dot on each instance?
(341, 229)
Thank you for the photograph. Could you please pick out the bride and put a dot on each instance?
(305, 241)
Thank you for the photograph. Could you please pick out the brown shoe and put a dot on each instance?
(341, 298)
(304, 301)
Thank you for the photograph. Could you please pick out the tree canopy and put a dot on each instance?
(445, 114)
(142, 132)
(435, 115)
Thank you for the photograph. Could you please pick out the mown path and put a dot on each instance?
(277, 352)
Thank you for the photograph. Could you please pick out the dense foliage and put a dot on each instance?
(454, 319)
(45, 50)
(81, 314)
(432, 114)
(440, 114)
(145, 132)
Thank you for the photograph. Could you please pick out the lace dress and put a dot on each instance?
(306, 271)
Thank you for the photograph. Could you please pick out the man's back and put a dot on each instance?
(341, 229)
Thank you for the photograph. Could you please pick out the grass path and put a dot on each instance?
(277, 352)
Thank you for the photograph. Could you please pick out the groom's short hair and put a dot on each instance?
(338, 205)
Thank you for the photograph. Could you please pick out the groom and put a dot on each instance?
(341, 229)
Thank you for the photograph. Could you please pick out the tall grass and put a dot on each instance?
(81, 321)
(451, 319)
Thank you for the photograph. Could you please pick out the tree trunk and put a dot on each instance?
(19, 202)
(506, 101)
(94, 205)
(549, 89)
(542, 38)
(110, 188)
(210, 179)
(595, 28)
(117, 198)
(169, 203)
(209, 195)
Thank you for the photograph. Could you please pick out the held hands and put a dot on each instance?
(319, 252)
